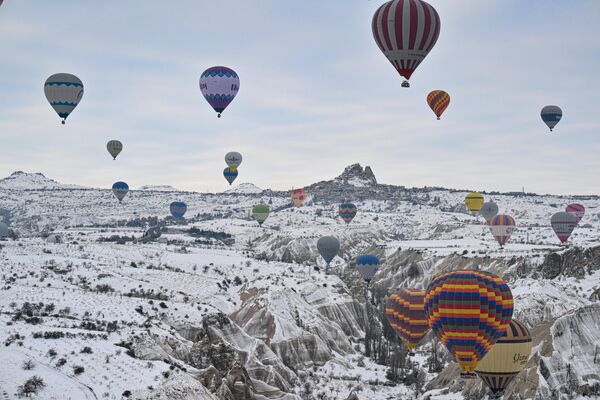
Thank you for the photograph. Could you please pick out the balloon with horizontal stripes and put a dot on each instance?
(474, 201)
(563, 224)
(468, 311)
(502, 227)
(178, 209)
(506, 359)
(405, 31)
(405, 312)
(260, 213)
(347, 211)
(114, 147)
(367, 265)
(438, 101)
(230, 173)
(551, 115)
(63, 92)
(120, 190)
(219, 86)
(577, 210)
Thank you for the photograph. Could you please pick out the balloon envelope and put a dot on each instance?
(405, 31)
(474, 202)
(489, 210)
(298, 197)
(506, 359)
(178, 209)
(438, 101)
(114, 147)
(63, 92)
(328, 247)
(347, 211)
(502, 226)
(551, 115)
(230, 173)
(219, 85)
(120, 189)
(468, 311)
(233, 159)
(577, 210)
(260, 213)
(367, 265)
(563, 224)
(405, 312)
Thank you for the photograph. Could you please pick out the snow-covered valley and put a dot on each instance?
(217, 307)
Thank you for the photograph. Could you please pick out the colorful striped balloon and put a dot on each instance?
(563, 224)
(502, 226)
(468, 311)
(577, 210)
(347, 211)
(506, 359)
(405, 311)
(230, 173)
(406, 31)
(438, 101)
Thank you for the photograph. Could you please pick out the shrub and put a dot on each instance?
(31, 386)
(61, 362)
(78, 369)
(28, 365)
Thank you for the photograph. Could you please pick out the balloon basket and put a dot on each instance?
(63, 122)
(405, 84)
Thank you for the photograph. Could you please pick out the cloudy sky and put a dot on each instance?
(316, 94)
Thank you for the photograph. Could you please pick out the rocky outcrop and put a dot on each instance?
(575, 262)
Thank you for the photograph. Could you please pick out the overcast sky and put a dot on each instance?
(316, 94)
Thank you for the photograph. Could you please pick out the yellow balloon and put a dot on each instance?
(474, 202)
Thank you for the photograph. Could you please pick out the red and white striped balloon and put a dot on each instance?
(405, 31)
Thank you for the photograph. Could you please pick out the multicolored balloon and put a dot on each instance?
(577, 210)
(563, 224)
(474, 202)
(328, 247)
(468, 311)
(506, 359)
(63, 92)
(502, 226)
(406, 31)
(114, 147)
(489, 210)
(219, 85)
(178, 209)
(260, 213)
(298, 197)
(551, 115)
(347, 211)
(405, 312)
(233, 159)
(230, 173)
(120, 189)
(367, 265)
(438, 101)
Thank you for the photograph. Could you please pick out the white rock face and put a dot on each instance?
(20, 180)
(158, 188)
(244, 188)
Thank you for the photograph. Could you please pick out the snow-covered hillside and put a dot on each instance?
(135, 304)
(20, 180)
(158, 188)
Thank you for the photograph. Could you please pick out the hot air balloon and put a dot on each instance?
(405, 311)
(64, 92)
(120, 189)
(298, 197)
(328, 247)
(260, 213)
(563, 224)
(178, 209)
(347, 211)
(438, 101)
(502, 226)
(506, 359)
(233, 159)
(406, 31)
(219, 85)
(577, 210)
(489, 210)
(367, 265)
(474, 202)
(551, 116)
(114, 147)
(230, 173)
(3, 230)
(468, 311)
